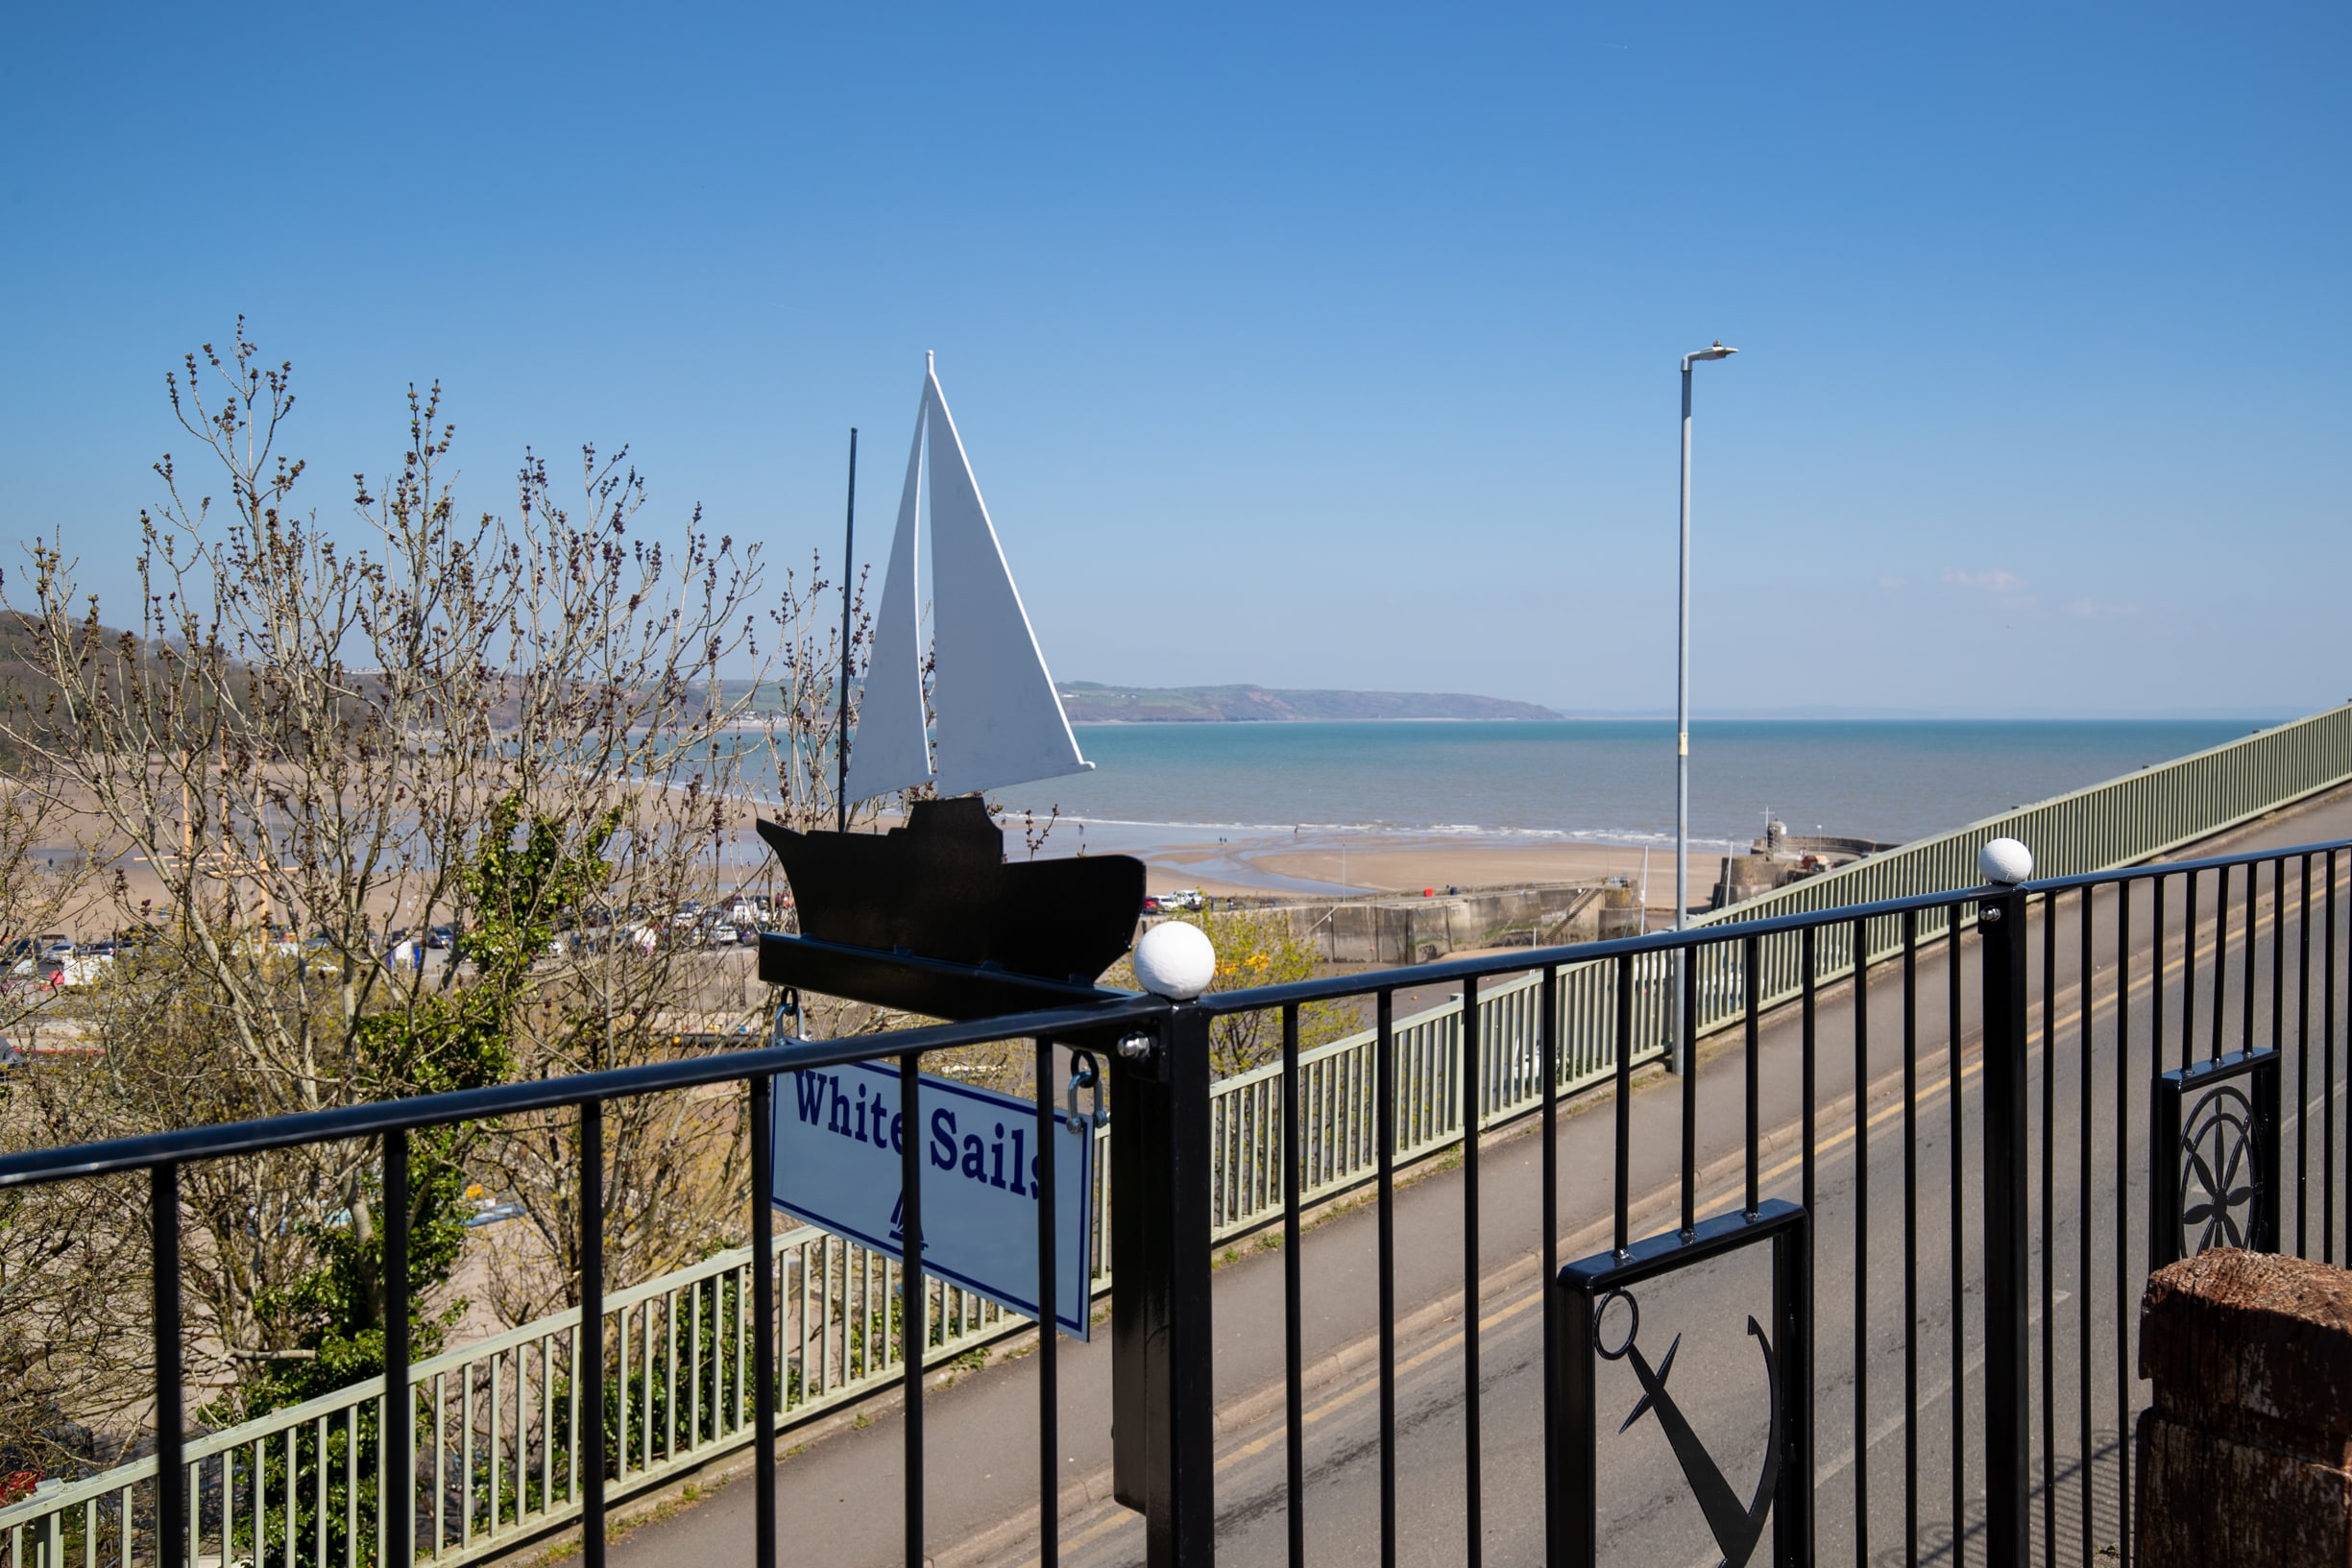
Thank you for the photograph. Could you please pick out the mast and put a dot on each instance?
(893, 751)
(840, 729)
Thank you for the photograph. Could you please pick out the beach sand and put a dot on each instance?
(1257, 863)
(1354, 864)
(1407, 865)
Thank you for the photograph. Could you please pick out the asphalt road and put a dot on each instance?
(1884, 1473)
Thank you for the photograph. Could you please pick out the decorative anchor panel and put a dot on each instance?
(1601, 1321)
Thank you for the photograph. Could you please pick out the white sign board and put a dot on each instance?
(838, 1141)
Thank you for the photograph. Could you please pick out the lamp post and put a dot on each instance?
(1678, 1058)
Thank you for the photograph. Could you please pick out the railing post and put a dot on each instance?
(2007, 1397)
(588, 1373)
(395, 1452)
(171, 1422)
(762, 1138)
(1161, 1405)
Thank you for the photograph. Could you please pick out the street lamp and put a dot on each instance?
(1678, 1061)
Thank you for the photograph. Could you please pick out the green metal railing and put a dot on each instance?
(495, 1421)
(498, 1423)
(2119, 823)
(1337, 1129)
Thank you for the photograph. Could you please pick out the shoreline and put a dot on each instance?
(1343, 862)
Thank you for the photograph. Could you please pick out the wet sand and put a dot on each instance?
(1335, 864)
(1410, 864)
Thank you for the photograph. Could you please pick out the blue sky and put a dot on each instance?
(1315, 345)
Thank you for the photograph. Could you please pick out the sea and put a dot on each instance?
(1609, 780)
(1236, 790)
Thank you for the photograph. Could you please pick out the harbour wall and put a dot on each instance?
(1419, 931)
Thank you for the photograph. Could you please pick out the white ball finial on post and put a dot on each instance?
(2004, 862)
(1175, 960)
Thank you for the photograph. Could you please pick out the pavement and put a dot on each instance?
(1887, 1398)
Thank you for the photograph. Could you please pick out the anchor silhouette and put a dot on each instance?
(898, 1222)
(1736, 1529)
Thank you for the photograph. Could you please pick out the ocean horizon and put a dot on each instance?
(1600, 780)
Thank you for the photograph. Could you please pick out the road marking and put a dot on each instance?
(1259, 1444)
(1280, 1429)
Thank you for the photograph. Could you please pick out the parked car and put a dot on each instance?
(82, 969)
(441, 937)
(753, 909)
(131, 941)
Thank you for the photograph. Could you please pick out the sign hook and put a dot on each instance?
(1084, 1073)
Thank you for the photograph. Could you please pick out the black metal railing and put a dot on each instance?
(161, 1156)
(1984, 1315)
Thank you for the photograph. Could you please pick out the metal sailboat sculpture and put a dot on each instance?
(873, 906)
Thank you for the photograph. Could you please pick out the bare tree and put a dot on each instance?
(303, 736)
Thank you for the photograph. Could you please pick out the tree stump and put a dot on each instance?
(2247, 1458)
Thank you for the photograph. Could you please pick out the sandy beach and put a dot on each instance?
(1339, 863)
(1410, 864)
(1229, 862)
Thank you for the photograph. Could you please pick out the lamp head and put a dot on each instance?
(1716, 351)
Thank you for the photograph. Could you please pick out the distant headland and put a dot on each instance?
(1088, 702)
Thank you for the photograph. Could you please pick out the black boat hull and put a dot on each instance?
(940, 888)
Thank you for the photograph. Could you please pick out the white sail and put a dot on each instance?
(1001, 721)
(890, 751)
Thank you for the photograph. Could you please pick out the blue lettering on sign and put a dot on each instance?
(840, 1139)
